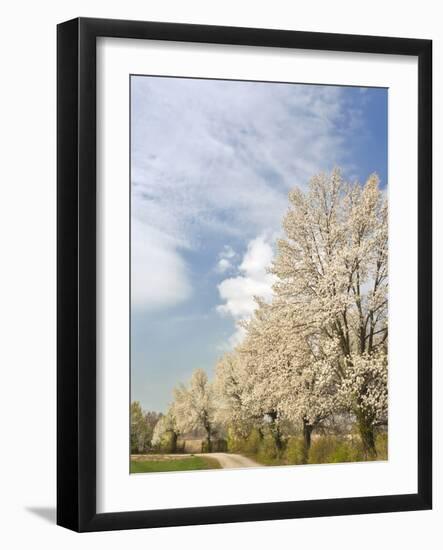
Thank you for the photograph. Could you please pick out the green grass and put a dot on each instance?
(174, 465)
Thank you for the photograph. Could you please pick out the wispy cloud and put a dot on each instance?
(218, 158)
(225, 259)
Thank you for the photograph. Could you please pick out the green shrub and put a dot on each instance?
(168, 442)
(217, 446)
(332, 449)
(294, 452)
(381, 446)
(253, 442)
(268, 451)
(321, 449)
(220, 446)
(347, 451)
(233, 442)
(250, 444)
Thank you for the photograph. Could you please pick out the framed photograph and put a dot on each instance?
(244, 274)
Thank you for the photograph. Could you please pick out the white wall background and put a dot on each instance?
(27, 272)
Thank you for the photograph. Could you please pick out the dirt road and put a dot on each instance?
(229, 460)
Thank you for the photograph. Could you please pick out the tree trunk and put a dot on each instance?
(307, 431)
(367, 436)
(208, 440)
(277, 438)
(174, 441)
(275, 431)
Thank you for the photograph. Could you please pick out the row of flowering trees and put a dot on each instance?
(319, 347)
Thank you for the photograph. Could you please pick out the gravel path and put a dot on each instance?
(229, 460)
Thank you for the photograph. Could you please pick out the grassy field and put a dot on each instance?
(179, 464)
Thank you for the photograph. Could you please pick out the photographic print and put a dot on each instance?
(259, 274)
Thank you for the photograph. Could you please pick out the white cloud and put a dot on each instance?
(226, 256)
(258, 258)
(253, 280)
(227, 252)
(223, 265)
(158, 274)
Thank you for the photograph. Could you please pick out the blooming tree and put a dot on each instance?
(194, 406)
(332, 273)
(231, 386)
(287, 380)
(166, 431)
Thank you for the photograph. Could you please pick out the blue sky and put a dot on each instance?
(212, 162)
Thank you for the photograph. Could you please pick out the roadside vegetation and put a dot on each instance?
(324, 449)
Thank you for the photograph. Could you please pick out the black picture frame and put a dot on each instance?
(76, 273)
